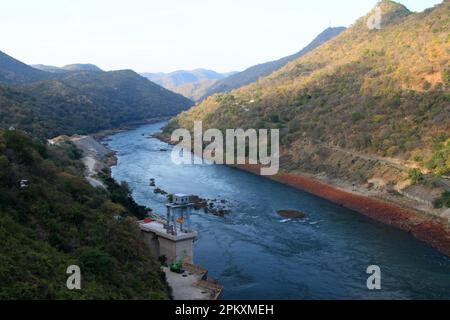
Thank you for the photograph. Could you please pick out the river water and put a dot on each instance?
(256, 254)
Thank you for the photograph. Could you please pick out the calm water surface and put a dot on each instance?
(256, 254)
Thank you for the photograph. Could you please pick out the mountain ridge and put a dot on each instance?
(382, 92)
(81, 67)
(75, 67)
(190, 83)
(49, 104)
(253, 73)
(13, 71)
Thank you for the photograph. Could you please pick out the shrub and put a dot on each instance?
(443, 201)
(446, 77)
(275, 118)
(96, 261)
(356, 116)
(426, 85)
(416, 176)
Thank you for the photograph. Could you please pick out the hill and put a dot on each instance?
(50, 104)
(68, 68)
(81, 67)
(368, 104)
(14, 72)
(59, 220)
(47, 68)
(181, 77)
(191, 84)
(254, 73)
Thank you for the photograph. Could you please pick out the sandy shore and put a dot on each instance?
(96, 157)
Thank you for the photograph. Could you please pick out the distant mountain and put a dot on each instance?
(227, 74)
(254, 73)
(194, 90)
(192, 84)
(199, 84)
(81, 67)
(49, 104)
(68, 68)
(181, 77)
(13, 71)
(46, 68)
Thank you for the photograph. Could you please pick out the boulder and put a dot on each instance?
(291, 214)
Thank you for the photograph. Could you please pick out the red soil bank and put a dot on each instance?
(431, 230)
(423, 227)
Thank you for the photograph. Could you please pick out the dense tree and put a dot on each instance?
(60, 220)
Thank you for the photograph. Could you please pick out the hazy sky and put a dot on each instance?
(166, 35)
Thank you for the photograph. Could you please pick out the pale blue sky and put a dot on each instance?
(166, 35)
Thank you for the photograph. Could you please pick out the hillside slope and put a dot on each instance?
(46, 68)
(194, 90)
(59, 220)
(67, 68)
(81, 67)
(50, 104)
(14, 72)
(254, 73)
(379, 93)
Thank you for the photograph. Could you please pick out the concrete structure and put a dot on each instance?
(173, 239)
(178, 214)
(421, 194)
(180, 199)
(444, 183)
(193, 284)
(171, 245)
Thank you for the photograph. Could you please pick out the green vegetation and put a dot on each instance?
(122, 194)
(443, 201)
(60, 220)
(439, 162)
(416, 176)
(50, 104)
(254, 73)
(446, 77)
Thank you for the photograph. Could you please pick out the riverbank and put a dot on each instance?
(322, 256)
(432, 230)
(426, 227)
(99, 136)
(95, 156)
(193, 283)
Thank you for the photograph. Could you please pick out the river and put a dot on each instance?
(256, 254)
